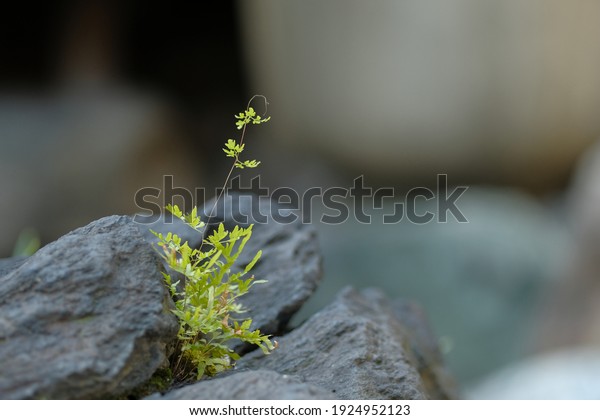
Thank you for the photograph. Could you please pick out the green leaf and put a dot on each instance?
(253, 262)
(175, 210)
(246, 324)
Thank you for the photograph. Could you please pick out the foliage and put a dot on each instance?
(206, 301)
(232, 148)
(27, 243)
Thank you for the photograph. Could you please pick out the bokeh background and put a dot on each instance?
(101, 98)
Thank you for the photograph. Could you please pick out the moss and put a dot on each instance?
(161, 381)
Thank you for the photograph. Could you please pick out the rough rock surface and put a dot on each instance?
(87, 316)
(291, 263)
(423, 345)
(250, 385)
(9, 264)
(357, 348)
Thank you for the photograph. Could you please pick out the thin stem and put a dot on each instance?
(228, 177)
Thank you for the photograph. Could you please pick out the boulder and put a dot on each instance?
(478, 281)
(423, 345)
(358, 348)
(290, 262)
(87, 316)
(249, 385)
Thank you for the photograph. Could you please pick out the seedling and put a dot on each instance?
(206, 301)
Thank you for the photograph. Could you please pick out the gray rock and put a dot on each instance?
(356, 348)
(87, 316)
(291, 264)
(249, 385)
(167, 223)
(424, 346)
(479, 282)
(236, 208)
(291, 259)
(9, 264)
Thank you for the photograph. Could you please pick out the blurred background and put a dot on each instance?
(101, 98)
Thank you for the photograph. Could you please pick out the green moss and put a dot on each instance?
(161, 381)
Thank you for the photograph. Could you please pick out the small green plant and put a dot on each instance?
(28, 242)
(206, 304)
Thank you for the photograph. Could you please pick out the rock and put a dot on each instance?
(291, 260)
(241, 209)
(291, 263)
(357, 348)
(87, 316)
(165, 225)
(9, 264)
(249, 385)
(424, 346)
(479, 282)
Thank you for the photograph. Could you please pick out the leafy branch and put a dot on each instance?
(233, 148)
